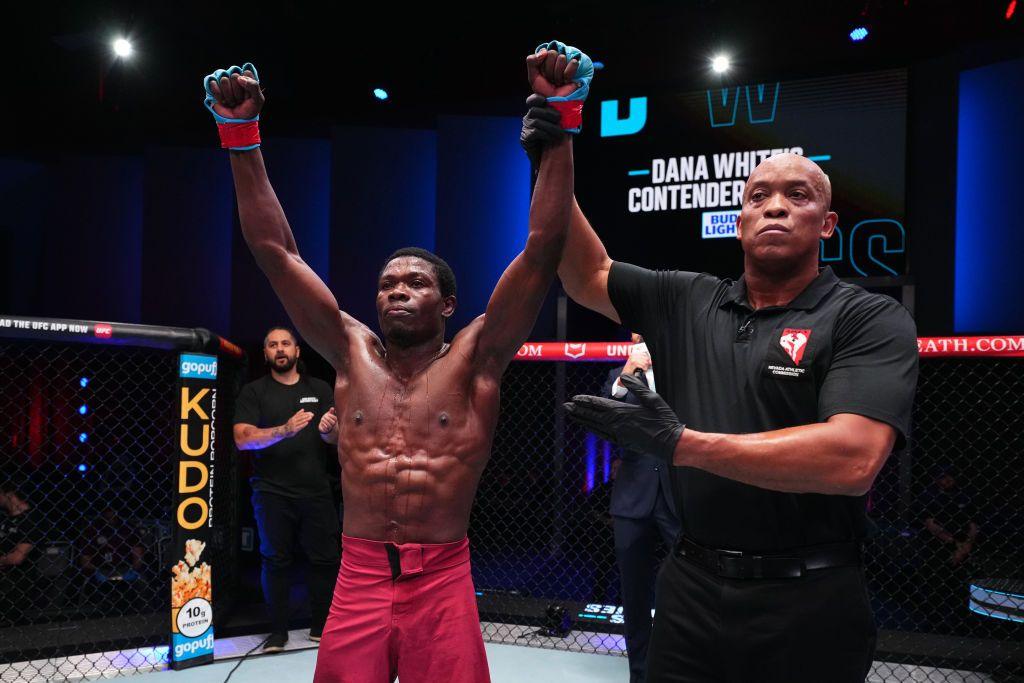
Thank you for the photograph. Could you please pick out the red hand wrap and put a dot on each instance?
(233, 135)
(571, 112)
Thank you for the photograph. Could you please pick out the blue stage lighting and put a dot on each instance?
(858, 34)
(84, 382)
(83, 437)
(83, 410)
(83, 468)
(380, 93)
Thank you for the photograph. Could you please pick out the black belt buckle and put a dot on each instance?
(395, 560)
(735, 564)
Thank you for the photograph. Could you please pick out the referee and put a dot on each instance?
(794, 388)
(276, 417)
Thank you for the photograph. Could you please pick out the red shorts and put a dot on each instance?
(421, 626)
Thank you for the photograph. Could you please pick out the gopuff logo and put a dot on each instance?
(574, 351)
(193, 648)
(195, 366)
(103, 331)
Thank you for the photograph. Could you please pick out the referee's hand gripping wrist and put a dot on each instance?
(651, 427)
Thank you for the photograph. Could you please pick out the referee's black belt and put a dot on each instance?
(733, 564)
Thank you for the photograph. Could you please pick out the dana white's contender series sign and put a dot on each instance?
(191, 576)
(662, 175)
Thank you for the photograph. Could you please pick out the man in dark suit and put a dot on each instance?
(642, 508)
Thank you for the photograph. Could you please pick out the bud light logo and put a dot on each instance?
(716, 224)
(195, 366)
(187, 648)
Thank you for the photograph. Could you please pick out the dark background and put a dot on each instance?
(118, 205)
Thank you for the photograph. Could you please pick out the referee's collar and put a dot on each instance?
(804, 301)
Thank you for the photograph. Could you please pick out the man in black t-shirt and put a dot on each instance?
(19, 534)
(794, 388)
(276, 418)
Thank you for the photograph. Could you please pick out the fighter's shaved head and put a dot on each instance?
(789, 161)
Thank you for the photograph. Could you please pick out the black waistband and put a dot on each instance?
(795, 563)
(394, 560)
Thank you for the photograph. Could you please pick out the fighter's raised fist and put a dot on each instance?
(551, 74)
(234, 94)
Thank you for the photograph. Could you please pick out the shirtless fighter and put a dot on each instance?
(416, 415)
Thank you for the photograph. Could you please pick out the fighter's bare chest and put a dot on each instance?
(376, 408)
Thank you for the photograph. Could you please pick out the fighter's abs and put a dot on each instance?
(411, 454)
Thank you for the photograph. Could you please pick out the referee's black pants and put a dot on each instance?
(709, 629)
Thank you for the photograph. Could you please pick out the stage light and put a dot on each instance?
(122, 48)
(858, 34)
(1010, 9)
(83, 468)
(380, 93)
(83, 410)
(83, 437)
(720, 64)
(84, 382)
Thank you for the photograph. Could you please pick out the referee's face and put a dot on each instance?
(785, 213)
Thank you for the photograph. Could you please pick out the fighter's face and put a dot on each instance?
(785, 212)
(281, 351)
(410, 307)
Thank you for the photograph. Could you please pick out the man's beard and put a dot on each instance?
(282, 369)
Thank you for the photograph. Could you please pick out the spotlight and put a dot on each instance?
(858, 34)
(720, 64)
(83, 410)
(380, 93)
(83, 437)
(83, 468)
(1010, 9)
(84, 382)
(122, 48)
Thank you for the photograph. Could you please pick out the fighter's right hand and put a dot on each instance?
(235, 99)
(297, 422)
(328, 422)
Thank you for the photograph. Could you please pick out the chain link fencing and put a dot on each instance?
(945, 566)
(87, 443)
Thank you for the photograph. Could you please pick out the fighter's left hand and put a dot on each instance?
(651, 427)
(551, 73)
(562, 74)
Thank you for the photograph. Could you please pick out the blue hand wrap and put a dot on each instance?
(572, 112)
(216, 76)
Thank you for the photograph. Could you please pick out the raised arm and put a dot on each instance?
(585, 266)
(235, 96)
(519, 294)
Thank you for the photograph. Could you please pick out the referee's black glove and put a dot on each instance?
(651, 427)
(541, 127)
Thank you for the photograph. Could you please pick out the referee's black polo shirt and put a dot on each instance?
(728, 369)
